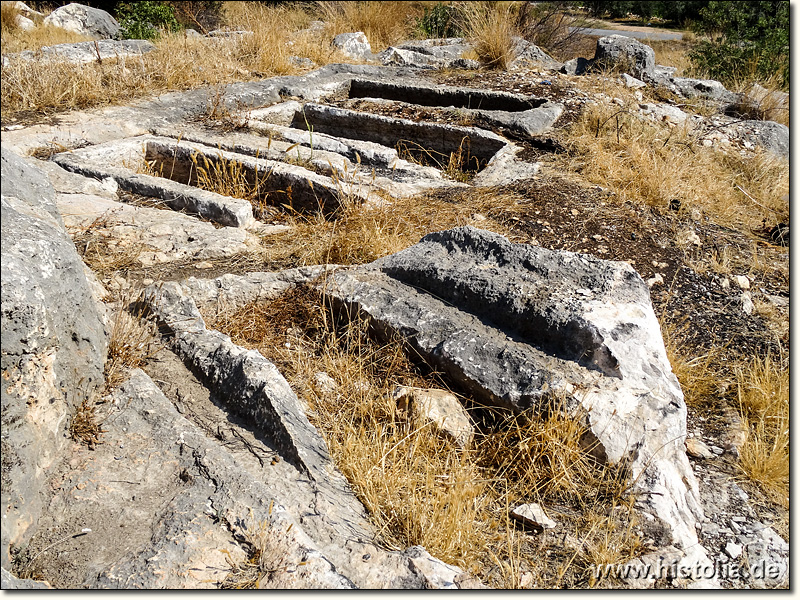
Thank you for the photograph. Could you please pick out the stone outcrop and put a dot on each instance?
(625, 53)
(527, 54)
(53, 342)
(429, 54)
(518, 325)
(353, 45)
(333, 524)
(438, 408)
(772, 136)
(85, 52)
(84, 20)
(148, 236)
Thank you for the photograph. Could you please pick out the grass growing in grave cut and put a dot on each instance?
(418, 487)
(363, 234)
(652, 163)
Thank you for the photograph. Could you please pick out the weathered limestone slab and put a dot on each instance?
(153, 236)
(388, 131)
(524, 114)
(115, 159)
(230, 292)
(516, 325)
(53, 342)
(354, 45)
(85, 52)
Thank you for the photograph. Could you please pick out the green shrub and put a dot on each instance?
(441, 21)
(145, 20)
(748, 40)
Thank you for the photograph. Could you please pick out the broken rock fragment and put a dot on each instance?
(532, 514)
(439, 407)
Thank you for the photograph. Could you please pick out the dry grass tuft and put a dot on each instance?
(652, 163)
(763, 391)
(178, 63)
(673, 53)
(699, 375)
(763, 100)
(8, 18)
(104, 254)
(132, 342)
(490, 26)
(16, 39)
(84, 427)
(384, 23)
(545, 455)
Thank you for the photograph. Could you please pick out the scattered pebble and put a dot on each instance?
(742, 281)
(733, 550)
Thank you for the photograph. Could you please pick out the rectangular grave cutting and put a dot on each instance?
(472, 148)
(271, 182)
(444, 97)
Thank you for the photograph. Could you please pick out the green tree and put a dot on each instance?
(747, 39)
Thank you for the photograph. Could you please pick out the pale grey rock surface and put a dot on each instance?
(354, 45)
(527, 54)
(663, 113)
(620, 51)
(533, 515)
(439, 408)
(53, 342)
(86, 52)
(772, 136)
(84, 20)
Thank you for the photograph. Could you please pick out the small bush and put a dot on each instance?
(441, 21)
(748, 40)
(145, 20)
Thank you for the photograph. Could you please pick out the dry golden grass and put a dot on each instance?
(764, 100)
(363, 234)
(16, 39)
(763, 393)
(84, 427)
(652, 163)
(673, 53)
(490, 27)
(384, 23)
(699, 375)
(101, 252)
(419, 487)
(132, 341)
(178, 63)
(762, 386)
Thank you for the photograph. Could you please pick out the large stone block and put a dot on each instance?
(84, 20)
(626, 53)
